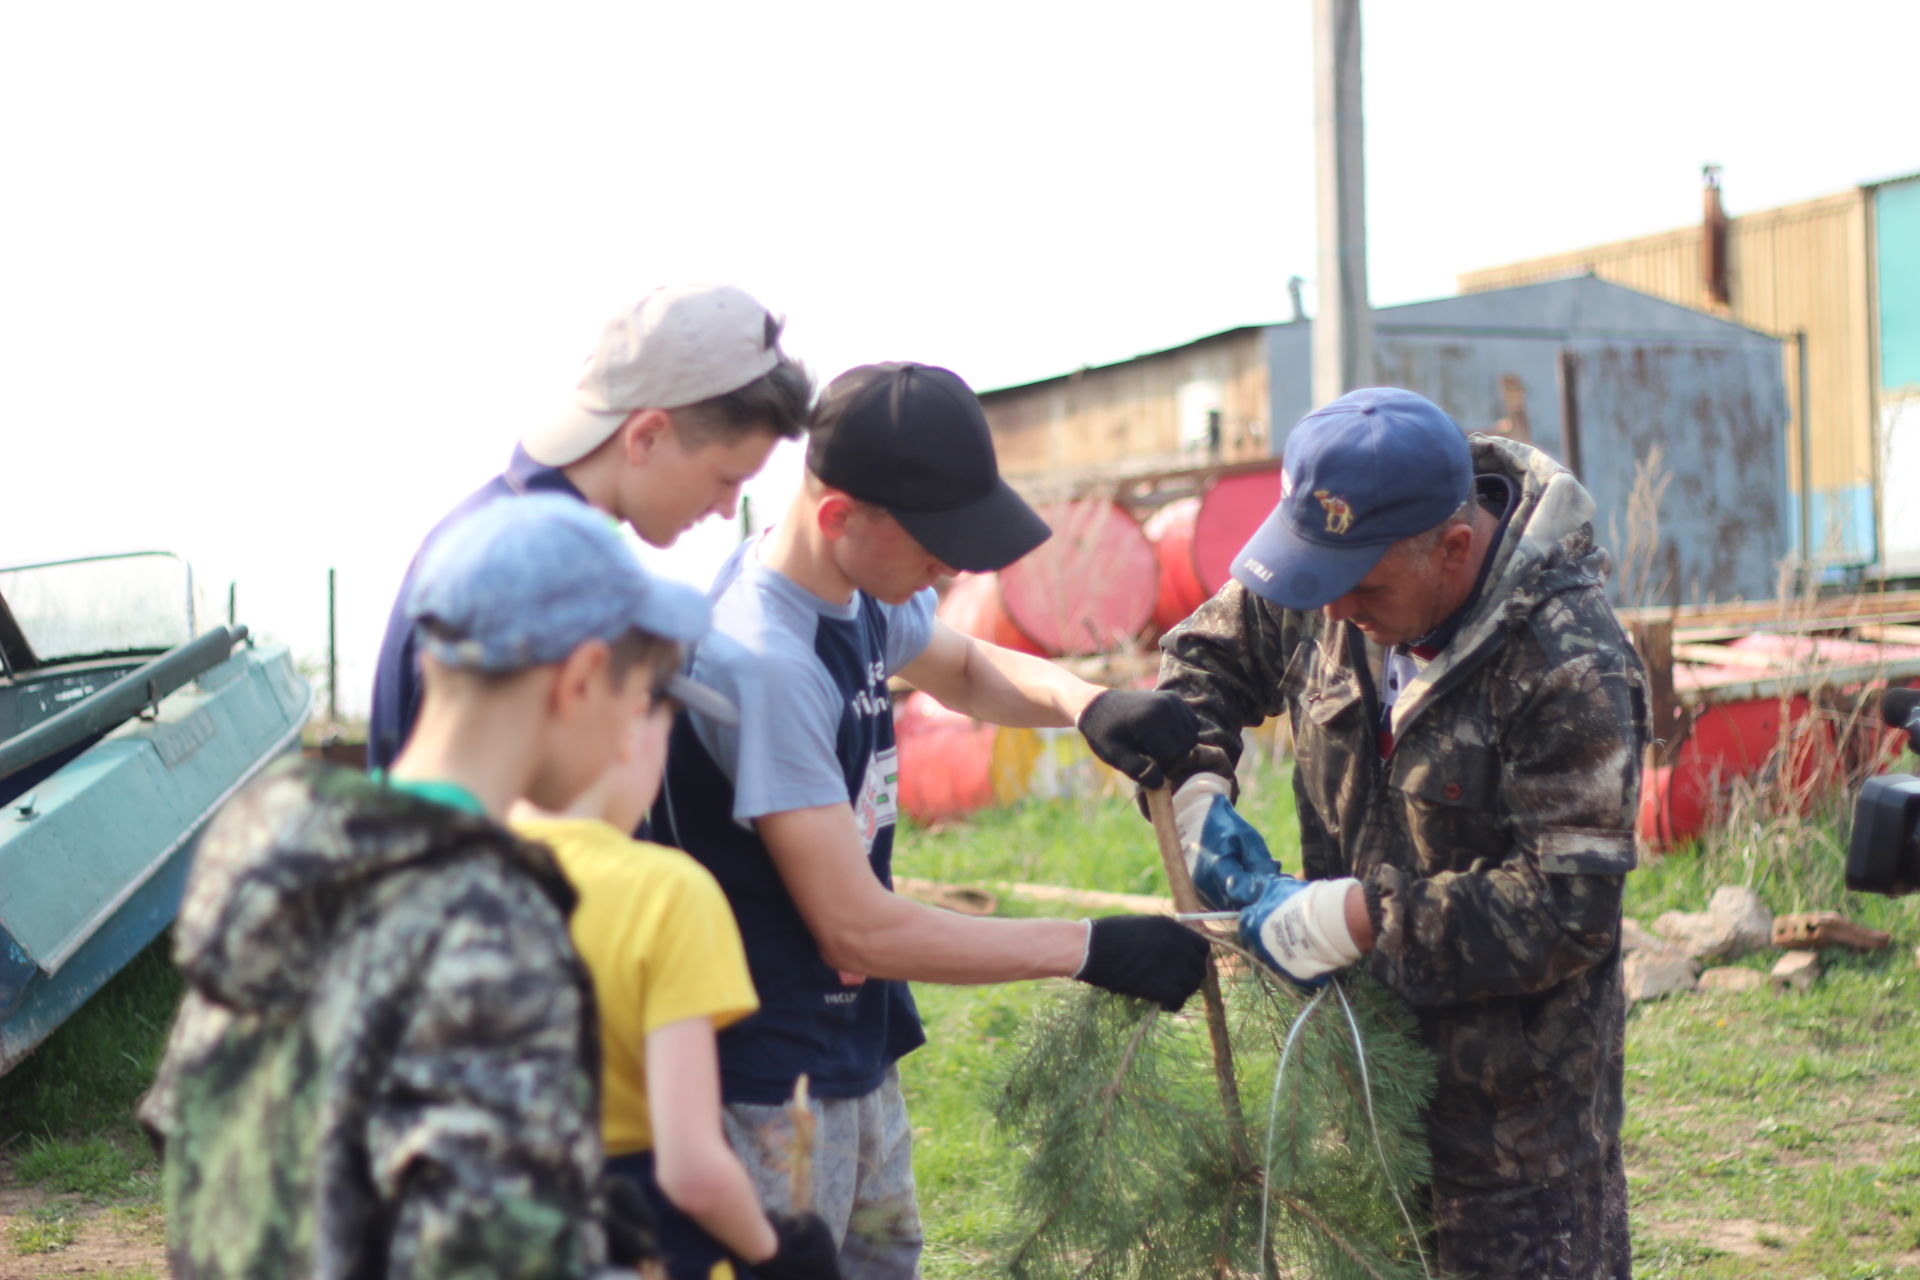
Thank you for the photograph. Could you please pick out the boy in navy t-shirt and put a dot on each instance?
(794, 810)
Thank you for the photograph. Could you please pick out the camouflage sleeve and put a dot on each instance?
(484, 1146)
(1548, 905)
(1227, 661)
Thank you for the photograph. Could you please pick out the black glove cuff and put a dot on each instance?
(1147, 957)
(805, 1249)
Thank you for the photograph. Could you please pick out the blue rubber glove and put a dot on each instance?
(1299, 928)
(1227, 858)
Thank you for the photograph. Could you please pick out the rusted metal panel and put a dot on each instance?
(1802, 267)
(1717, 416)
(1628, 370)
(1170, 408)
(1606, 374)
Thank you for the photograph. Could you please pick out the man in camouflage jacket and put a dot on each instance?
(384, 1064)
(1466, 776)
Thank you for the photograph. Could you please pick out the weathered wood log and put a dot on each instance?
(1811, 930)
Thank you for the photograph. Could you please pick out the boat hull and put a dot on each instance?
(94, 858)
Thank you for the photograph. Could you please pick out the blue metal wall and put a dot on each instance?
(1644, 372)
(1896, 219)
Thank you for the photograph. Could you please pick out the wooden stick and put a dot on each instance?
(800, 1152)
(1185, 898)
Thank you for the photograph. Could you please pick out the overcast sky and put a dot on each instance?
(279, 283)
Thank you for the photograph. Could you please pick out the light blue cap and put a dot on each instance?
(526, 580)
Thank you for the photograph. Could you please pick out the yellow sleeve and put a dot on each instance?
(696, 966)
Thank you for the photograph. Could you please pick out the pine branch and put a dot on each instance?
(1132, 1175)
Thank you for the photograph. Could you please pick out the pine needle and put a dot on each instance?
(1131, 1172)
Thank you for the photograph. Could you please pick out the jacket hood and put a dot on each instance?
(302, 855)
(1546, 548)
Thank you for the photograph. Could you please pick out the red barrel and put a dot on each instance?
(1170, 530)
(1090, 588)
(946, 760)
(951, 765)
(1229, 513)
(972, 606)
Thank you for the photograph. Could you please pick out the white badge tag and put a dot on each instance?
(879, 804)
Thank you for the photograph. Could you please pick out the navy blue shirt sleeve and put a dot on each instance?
(396, 678)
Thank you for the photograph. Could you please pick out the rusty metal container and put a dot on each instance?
(1232, 509)
(1090, 588)
(972, 607)
(1170, 530)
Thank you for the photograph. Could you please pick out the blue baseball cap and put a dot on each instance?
(1375, 466)
(526, 580)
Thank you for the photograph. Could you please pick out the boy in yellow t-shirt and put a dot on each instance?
(668, 972)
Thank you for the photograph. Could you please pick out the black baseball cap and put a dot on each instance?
(912, 439)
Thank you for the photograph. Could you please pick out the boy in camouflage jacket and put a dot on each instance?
(1467, 719)
(386, 1061)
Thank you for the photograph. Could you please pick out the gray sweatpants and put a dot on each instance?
(862, 1175)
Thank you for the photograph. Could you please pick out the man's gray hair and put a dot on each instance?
(1422, 544)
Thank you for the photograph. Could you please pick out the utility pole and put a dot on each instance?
(1343, 324)
(333, 659)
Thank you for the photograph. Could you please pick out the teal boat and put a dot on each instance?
(123, 728)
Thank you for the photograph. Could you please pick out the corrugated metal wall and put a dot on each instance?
(1708, 396)
(1149, 411)
(1802, 267)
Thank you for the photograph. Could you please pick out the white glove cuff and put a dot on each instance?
(1192, 799)
(1309, 935)
(1086, 949)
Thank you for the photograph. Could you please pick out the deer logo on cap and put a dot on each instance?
(1339, 514)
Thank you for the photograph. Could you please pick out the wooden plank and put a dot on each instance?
(1796, 626)
(1719, 655)
(1653, 637)
(938, 893)
(1890, 633)
(1740, 689)
(1868, 605)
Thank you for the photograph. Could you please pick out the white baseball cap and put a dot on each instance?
(677, 346)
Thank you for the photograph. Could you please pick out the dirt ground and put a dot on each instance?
(107, 1241)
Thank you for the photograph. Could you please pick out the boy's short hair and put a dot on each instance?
(639, 649)
(710, 351)
(524, 581)
(777, 402)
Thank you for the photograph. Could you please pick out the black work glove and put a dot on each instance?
(628, 1221)
(806, 1250)
(1149, 957)
(1142, 733)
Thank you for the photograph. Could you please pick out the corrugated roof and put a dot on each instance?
(1888, 182)
(1579, 302)
(1115, 364)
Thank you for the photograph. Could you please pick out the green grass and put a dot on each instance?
(1088, 842)
(962, 1164)
(1767, 1136)
(1778, 1136)
(86, 1077)
(45, 1230)
(67, 1112)
(92, 1167)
